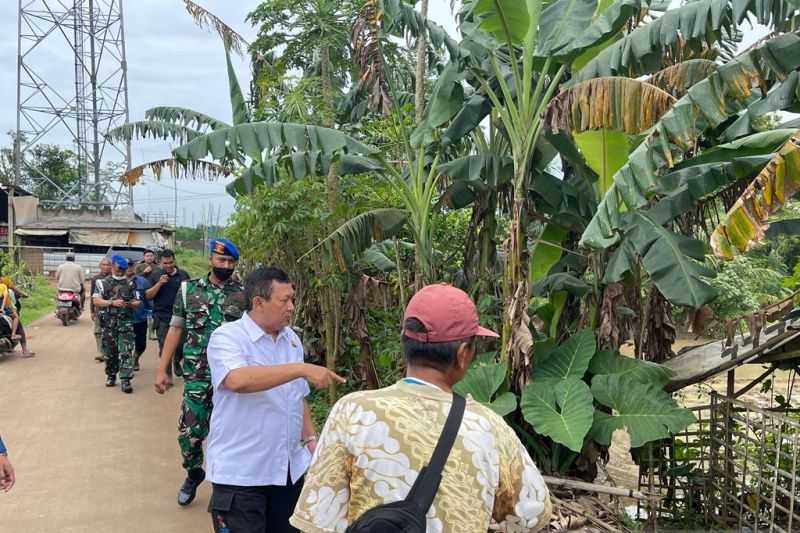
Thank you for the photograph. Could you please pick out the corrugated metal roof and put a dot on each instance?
(68, 224)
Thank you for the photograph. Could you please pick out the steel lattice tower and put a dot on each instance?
(74, 107)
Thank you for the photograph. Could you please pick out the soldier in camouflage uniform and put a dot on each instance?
(201, 306)
(117, 295)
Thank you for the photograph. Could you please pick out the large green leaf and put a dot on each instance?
(241, 114)
(570, 360)
(506, 20)
(185, 117)
(298, 165)
(445, 101)
(608, 362)
(785, 96)
(546, 252)
(561, 410)
(748, 218)
(153, 129)
(605, 151)
(482, 382)
(706, 105)
(257, 138)
(680, 32)
(350, 239)
(673, 261)
(646, 411)
(570, 26)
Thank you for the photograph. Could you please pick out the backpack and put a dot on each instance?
(408, 515)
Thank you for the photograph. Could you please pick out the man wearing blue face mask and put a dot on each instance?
(201, 306)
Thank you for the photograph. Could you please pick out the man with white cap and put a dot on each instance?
(376, 443)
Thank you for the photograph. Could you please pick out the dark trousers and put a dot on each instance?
(140, 339)
(254, 509)
(162, 327)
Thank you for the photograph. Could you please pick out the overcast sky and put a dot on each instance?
(170, 62)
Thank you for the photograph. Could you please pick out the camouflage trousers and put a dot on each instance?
(98, 336)
(193, 422)
(118, 343)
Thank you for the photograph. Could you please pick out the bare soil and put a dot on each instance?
(89, 458)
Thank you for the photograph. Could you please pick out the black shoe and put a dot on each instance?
(188, 491)
(126, 386)
(178, 370)
(136, 366)
(111, 381)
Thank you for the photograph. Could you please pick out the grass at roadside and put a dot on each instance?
(192, 261)
(41, 299)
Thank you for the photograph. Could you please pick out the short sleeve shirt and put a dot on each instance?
(375, 442)
(164, 300)
(255, 437)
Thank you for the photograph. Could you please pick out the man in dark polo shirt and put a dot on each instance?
(165, 284)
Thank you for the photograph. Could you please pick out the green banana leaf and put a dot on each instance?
(185, 117)
(785, 96)
(644, 410)
(239, 110)
(706, 105)
(674, 262)
(257, 138)
(504, 19)
(568, 27)
(298, 165)
(350, 239)
(153, 129)
(688, 29)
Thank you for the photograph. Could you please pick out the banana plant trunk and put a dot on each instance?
(517, 340)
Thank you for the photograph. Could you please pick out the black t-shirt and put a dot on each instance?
(163, 301)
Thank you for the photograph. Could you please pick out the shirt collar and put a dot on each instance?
(254, 331)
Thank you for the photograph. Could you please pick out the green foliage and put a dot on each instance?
(559, 404)
(484, 381)
(41, 297)
(192, 261)
(643, 409)
(746, 284)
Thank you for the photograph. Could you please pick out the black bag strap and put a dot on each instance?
(424, 489)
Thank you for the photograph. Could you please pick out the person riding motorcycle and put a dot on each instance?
(71, 277)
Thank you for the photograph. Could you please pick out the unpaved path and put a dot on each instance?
(89, 458)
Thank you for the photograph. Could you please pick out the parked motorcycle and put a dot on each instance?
(68, 306)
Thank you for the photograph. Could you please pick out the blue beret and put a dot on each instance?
(120, 261)
(223, 247)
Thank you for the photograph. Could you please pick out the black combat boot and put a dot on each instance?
(189, 488)
(111, 381)
(126, 386)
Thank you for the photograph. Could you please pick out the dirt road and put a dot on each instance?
(87, 457)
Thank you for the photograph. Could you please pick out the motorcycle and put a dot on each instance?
(7, 341)
(68, 306)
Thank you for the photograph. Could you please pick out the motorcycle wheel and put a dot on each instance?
(65, 319)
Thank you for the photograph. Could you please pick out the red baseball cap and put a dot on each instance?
(447, 313)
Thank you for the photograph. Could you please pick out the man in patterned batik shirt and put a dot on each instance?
(375, 442)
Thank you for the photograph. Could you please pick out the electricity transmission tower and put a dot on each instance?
(72, 88)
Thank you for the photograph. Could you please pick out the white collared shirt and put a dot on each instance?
(254, 438)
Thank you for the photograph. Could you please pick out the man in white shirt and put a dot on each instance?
(71, 277)
(262, 435)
